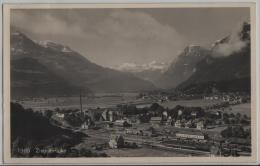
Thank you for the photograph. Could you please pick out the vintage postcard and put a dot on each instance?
(130, 83)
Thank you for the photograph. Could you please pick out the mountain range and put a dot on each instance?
(226, 66)
(48, 68)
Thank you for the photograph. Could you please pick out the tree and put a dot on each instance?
(227, 132)
(120, 141)
(231, 115)
(238, 115)
(130, 110)
(238, 131)
(225, 115)
(85, 152)
(245, 116)
(97, 116)
(226, 118)
(248, 133)
(156, 109)
(145, 118)
(234, 131)
(48, 113)
(237, 118)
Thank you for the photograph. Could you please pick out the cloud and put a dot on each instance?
(119, 36)
(124, 24)
(229, 48)
(230, 44)
(137, 37)
(44, 24)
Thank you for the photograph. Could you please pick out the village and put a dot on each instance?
(207, 130)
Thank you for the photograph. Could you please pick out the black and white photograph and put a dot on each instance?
(124, 82)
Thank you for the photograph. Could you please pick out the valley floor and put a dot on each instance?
(150, 147)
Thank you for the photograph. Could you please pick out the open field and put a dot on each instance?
(241, 108)
(99, 100)
(191, 103)
(104, 101)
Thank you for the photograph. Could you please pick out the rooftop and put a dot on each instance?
(190, 132)
(156, 118)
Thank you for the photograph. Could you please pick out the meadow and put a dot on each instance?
(244, 108)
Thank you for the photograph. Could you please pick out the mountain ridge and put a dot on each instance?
(182, 67)
(73, 68)
(218, 69)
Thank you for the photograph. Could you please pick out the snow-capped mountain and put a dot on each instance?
(150, 71)
(133, 67)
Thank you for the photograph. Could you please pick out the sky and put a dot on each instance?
(112, 37)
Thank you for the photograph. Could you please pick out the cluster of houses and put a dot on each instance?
(106, 118)
(114, 118)
(231, 99)
(178, 123)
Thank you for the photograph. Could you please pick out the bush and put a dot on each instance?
(235, 131)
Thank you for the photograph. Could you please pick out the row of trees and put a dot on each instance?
(236, 131)
(236, 119)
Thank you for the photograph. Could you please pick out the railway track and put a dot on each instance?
(156, 144)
